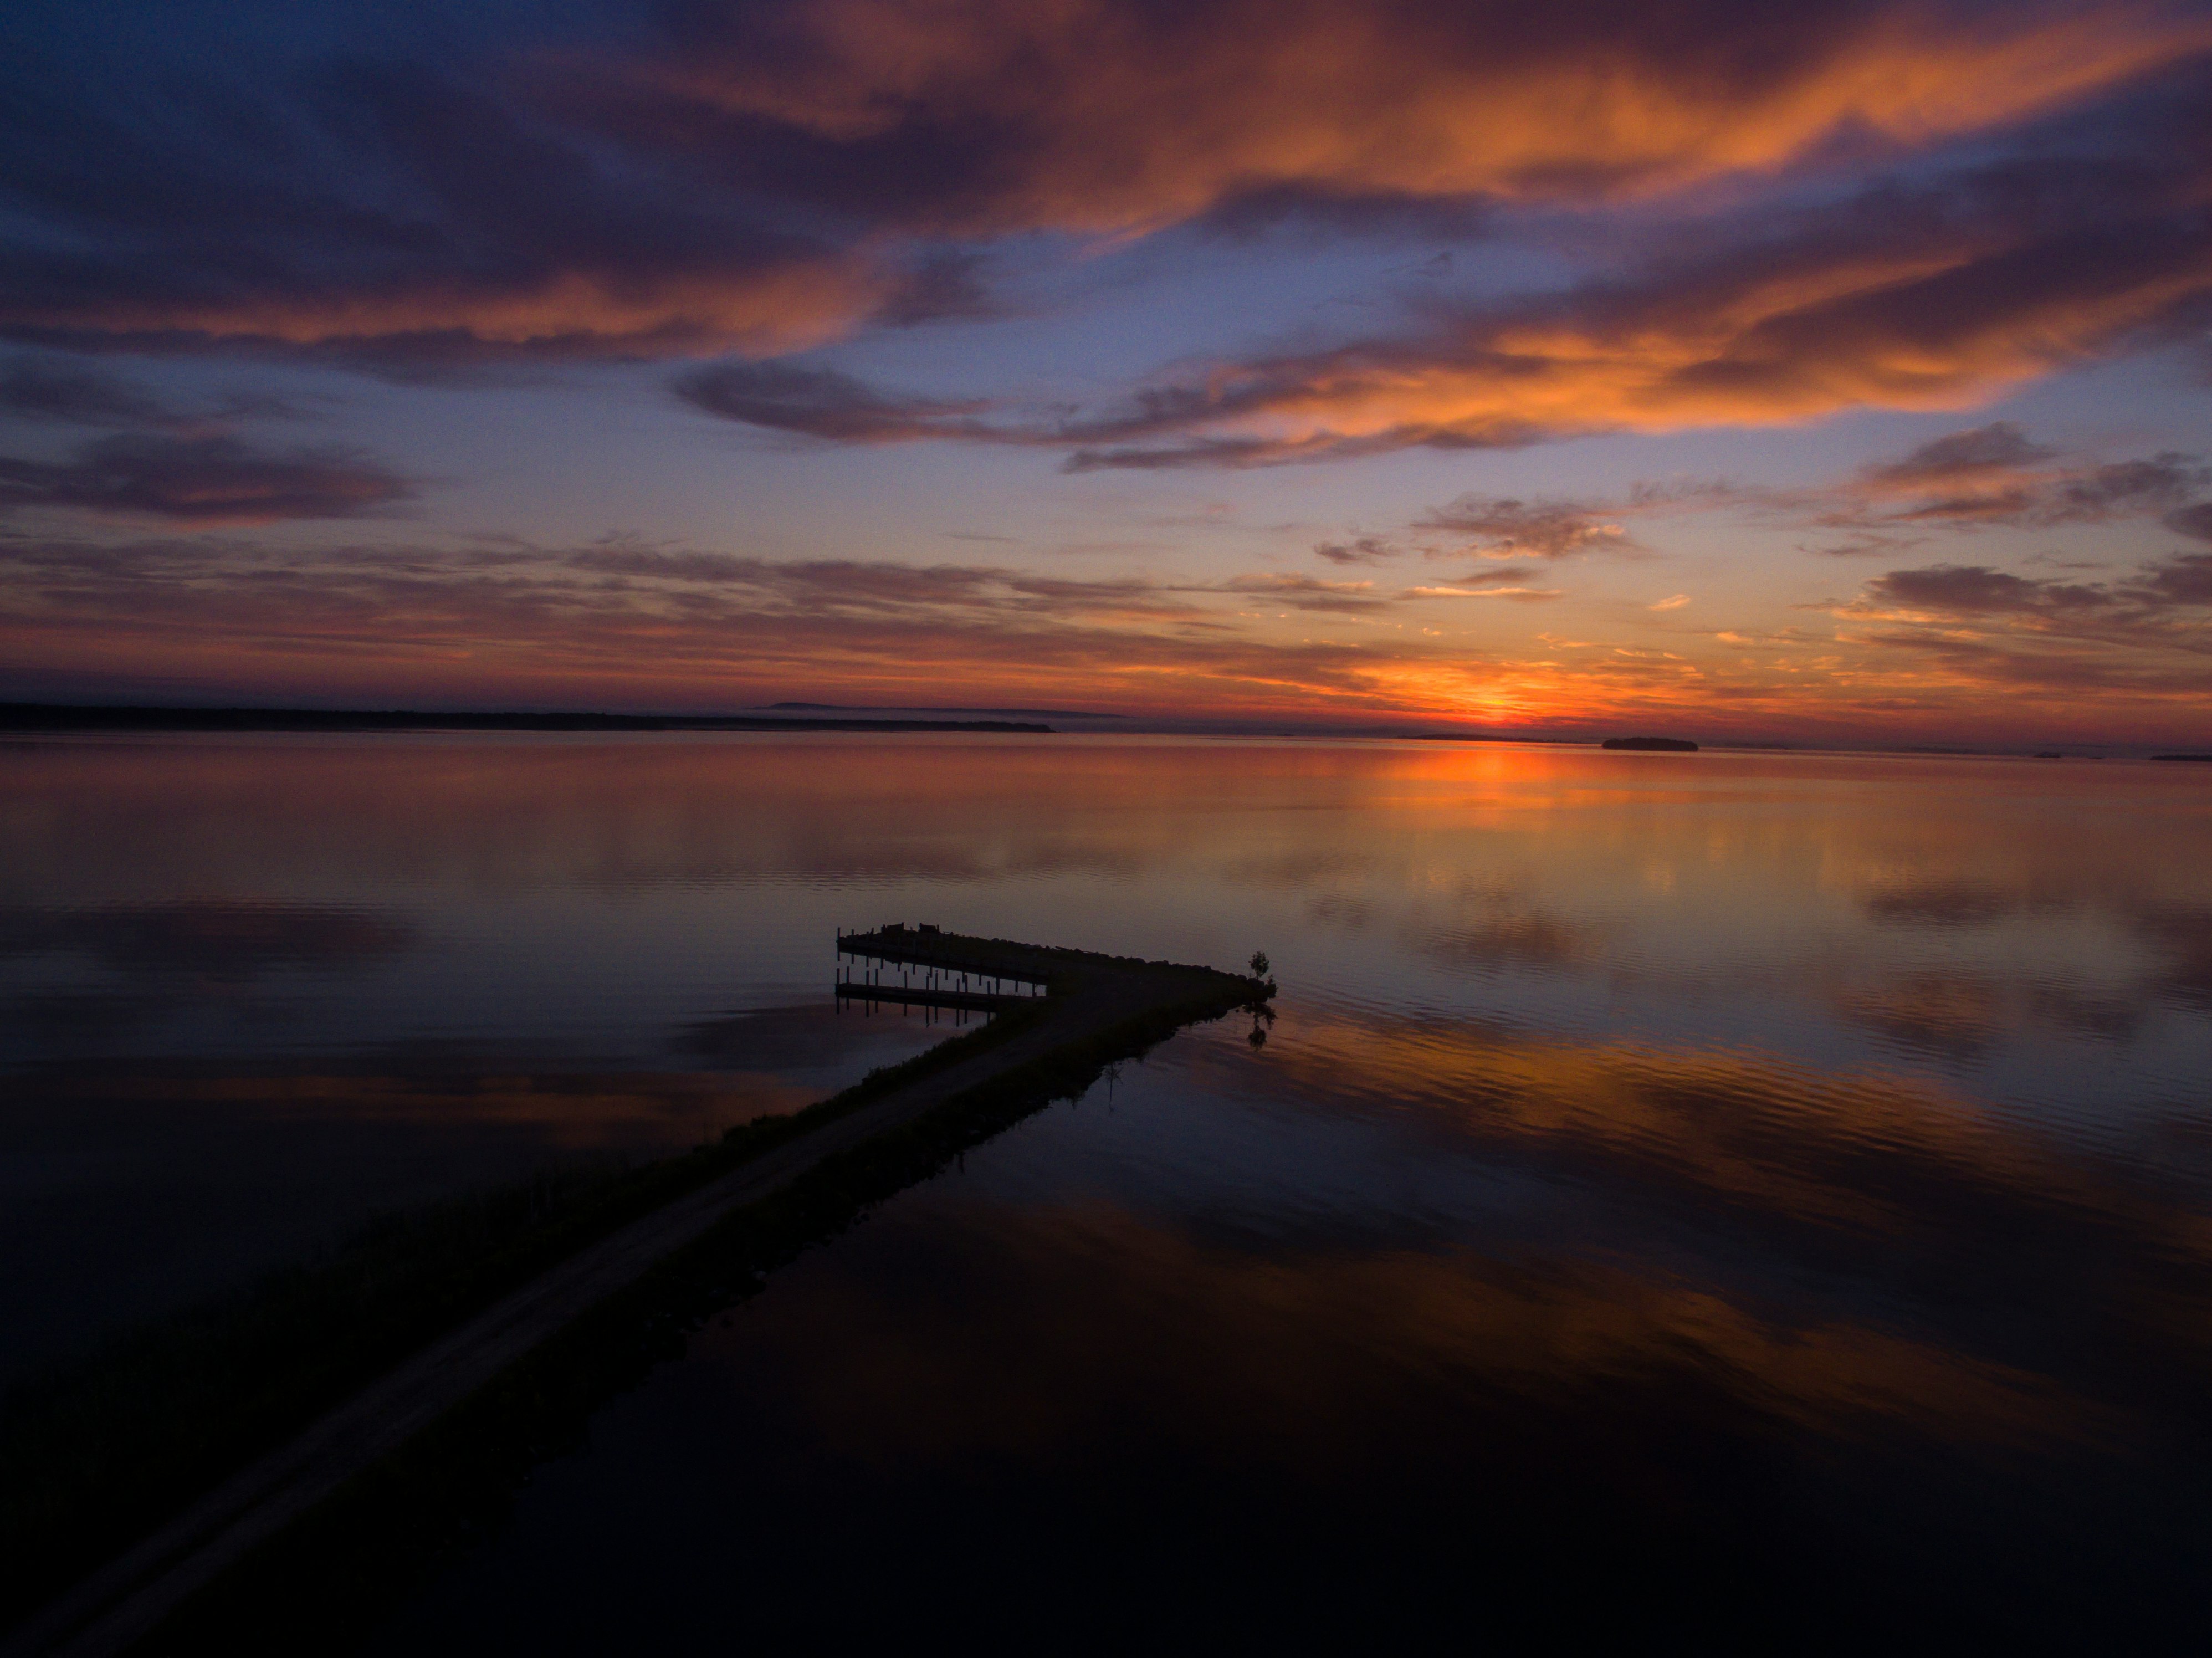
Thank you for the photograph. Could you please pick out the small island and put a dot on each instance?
(1653, 744)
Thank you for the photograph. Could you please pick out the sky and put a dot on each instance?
(1835, 373)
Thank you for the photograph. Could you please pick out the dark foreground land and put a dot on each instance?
(471, 1363)
(64, 717)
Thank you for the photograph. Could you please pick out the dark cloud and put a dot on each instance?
(2194, 521)
(1544, 529)
(944, 284)
(1299, 209)
(2142, 637)
(384, 209)
(669, 565)
(2184, 578)
(824, 404)
(2125, 488)
(47, 388)
(1994, 475)
(1977, 589)
(1361, 550)
(2125, 664)
(2001, 446)
(63, 391)
(1305, 593)
(1193, 454)
(2182, 581)
(203, 480)
(444, 186)
(1866, 544)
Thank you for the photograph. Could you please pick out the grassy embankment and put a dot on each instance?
(95, 1455)
(92, 1459)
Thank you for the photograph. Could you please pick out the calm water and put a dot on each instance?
(1774, 1188)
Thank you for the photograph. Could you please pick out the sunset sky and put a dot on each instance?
(1832, 372)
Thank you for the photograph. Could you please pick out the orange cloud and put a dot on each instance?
(1113, 120)
(767, 178)
(642, 627)
(569, 314)
(1945, 324)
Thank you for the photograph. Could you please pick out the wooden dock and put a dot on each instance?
(923, 967)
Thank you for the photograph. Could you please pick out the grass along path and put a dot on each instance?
(1099, 1009)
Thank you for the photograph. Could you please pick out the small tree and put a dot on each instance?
(1260, 964)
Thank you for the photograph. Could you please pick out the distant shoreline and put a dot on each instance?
(872, 710)
(42, 718)
(62, 717)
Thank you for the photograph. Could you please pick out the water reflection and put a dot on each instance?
(1956, 1018)
(1874, 1192)
(1405, 1321)
(1802, 1161)
(129, 1191)
(88, 977)
(220, 941)
(2183, 933)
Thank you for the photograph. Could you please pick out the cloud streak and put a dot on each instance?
(1507, 528)
(1992, 476)
(1111, 119)
(1917, 314)
(634, 625)
(1983, 477)
(821, 402)
(206, 480)
(1359, 549)
(2145, 638)
(1910, 296)
(393, 211)
(75, 394)
(760, 180)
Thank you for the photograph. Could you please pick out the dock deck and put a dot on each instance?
(923, 967)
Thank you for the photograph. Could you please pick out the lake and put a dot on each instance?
(1770, 1191)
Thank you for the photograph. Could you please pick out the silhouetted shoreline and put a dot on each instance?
(874, 709)
(49, 716)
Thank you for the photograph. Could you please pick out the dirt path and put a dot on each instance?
(125, 1600)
